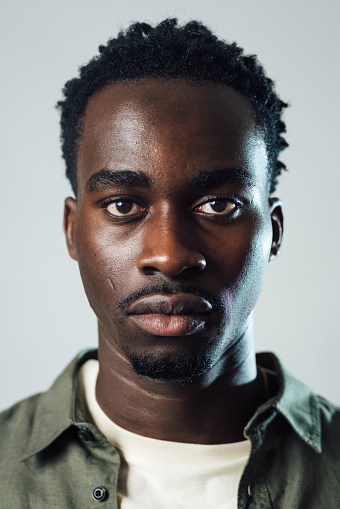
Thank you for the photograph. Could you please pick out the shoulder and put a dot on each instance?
(26, 406)
(307, 422)
(330, 426)
(328, 409)
(16, 427)
(32, 424)
(29, 432)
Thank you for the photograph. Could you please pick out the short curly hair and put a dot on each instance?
(169, 51)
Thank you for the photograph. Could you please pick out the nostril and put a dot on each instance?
(149, 270)
(192, 270)
(186, 264)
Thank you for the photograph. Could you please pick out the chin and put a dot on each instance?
(167, 368)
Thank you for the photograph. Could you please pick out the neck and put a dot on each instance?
(212, 409)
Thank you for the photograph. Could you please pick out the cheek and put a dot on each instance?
(255, 263)
(105, 263)
(245, 262)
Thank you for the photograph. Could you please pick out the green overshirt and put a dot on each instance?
(50, 457)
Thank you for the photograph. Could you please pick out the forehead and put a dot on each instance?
(169, 127)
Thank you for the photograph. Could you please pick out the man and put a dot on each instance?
(171, 141)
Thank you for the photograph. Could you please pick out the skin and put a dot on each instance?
(172, 236)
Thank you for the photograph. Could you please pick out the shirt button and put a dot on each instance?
(99, 493)
(85, 434)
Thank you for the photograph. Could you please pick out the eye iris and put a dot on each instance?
(124, 207)
(218, 206)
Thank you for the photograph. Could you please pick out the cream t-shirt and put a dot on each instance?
(158, 474)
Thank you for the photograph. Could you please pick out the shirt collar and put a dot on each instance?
(294, 401)
(58, 408)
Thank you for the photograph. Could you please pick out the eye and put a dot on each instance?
(124, 208)
(217, 207)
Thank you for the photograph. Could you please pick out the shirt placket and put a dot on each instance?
(253, 491)
(103, 468)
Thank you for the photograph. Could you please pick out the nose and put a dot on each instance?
(167, 249)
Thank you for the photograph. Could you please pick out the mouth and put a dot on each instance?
(181, 314)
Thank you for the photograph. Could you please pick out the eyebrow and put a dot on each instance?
(238, 176)
(104, 179)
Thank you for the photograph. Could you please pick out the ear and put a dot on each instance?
(69, 217)
(276, 214)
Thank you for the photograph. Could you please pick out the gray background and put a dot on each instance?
(45, 318)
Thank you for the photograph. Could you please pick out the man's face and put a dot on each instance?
(172, 226)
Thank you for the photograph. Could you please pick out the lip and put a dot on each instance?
(181, 314)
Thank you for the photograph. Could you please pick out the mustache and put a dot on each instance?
(166, 288)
